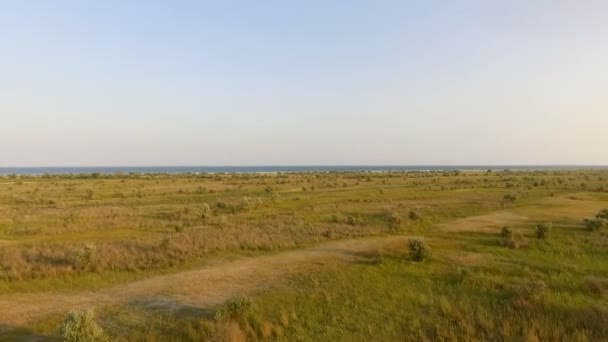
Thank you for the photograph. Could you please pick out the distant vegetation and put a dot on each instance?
(534, 270)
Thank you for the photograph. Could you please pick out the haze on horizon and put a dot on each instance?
(307, 83)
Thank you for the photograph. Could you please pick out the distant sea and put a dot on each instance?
(277, 169)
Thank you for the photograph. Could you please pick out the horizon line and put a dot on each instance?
(300, 165)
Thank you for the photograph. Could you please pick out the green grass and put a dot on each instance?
(534, 293)
(474, 287)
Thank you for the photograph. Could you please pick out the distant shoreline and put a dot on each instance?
(109, 170)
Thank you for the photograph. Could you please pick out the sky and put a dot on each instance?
(126, 83)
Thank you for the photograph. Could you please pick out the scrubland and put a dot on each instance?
(502, 255)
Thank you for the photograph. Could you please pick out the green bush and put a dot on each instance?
(594, 225)
(542, 230)
(419, 250)
(80, 326)
(83, 256)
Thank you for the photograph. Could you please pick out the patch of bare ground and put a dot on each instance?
(567, 206)
(578, 206)
(203, 287)
(489, 223)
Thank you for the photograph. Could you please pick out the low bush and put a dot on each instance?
(542, 230)
(419, 250)
(80, 326)
(83, 256)
(594, 224)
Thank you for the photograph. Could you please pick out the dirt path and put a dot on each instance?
(203, 287)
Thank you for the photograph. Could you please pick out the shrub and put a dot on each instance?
(80, 326)
(82, 257)
(413, 215)
(506, 232)
(419, 250)
(594, 225)
(542, 230)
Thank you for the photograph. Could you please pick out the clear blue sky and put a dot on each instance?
(303, 82)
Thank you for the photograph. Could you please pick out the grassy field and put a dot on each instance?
(311, 256)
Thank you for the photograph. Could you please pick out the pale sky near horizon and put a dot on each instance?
(100, 83)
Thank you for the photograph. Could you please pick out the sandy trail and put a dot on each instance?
(204, 287)
(491, 222)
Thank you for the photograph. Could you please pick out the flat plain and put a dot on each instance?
(506, 255)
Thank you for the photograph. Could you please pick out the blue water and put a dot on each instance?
(257, 169)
